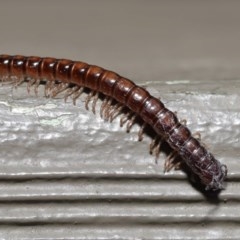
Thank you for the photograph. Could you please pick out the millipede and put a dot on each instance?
(72, 77)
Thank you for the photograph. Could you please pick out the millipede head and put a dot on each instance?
(216, 175)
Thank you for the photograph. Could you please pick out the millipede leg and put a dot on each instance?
(18, 82)
(30, 83)
(104, 103)
(153, 144)
(155, 147)
(70, 91)
(58, 89)
(178, 165)
(107, 109)
(48, 88)
(67, 94)
(76, 94)
(96, 96)
(36, 85)
(131, 122)
(157, 152)
(183, 122)
(169, 162)
(197, 135)
(116, 111)
(125, 118)
(140, 132)
(88, 98)
(6, 81)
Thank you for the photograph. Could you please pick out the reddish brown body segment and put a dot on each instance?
(210, 171)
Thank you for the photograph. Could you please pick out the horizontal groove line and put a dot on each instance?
(126, 223)
(137, 176)
(101, 177)
(112, 201)
(99, 198)
(122, 177)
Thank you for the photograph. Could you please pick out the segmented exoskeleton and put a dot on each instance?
(72, 76)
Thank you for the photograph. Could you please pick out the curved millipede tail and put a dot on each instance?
(71, 77)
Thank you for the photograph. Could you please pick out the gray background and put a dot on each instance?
(65, 173)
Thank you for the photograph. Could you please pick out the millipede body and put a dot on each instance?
(59, 74)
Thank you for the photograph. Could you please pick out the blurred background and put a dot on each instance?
(164, 39)
(67, 174)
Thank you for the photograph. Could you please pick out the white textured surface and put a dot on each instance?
(62, 165)
(67, 174)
